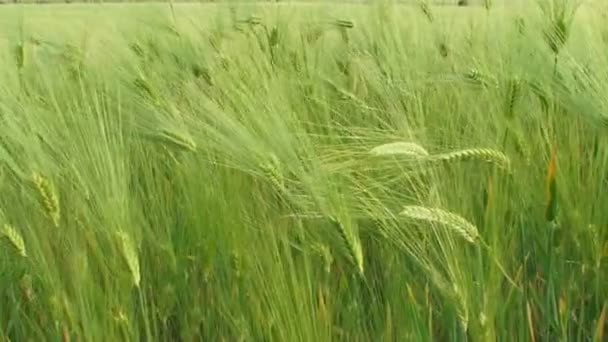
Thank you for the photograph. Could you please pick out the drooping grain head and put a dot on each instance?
(513, 92)
(455, 223)
(175, 140)
(560, 14)
(273, 170)
(557, 35)
(324, 253)
(130, 255)
(400, 148)
(351, 241)
(483, 154)
(14, 238)
(48, 197)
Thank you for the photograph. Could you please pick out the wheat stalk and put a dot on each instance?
(49, 197)
(456, 223)
(15, 239)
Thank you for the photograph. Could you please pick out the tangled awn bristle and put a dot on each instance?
(352, 243)
(15, 239)
(130, 255)
(400, 148)
(455, 222)
(485, 154)
(49, 197)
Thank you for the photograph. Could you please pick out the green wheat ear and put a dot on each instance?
(455, 223)
(15, 239)
(400, 148)
(484, 154)
(351, 241)
(130, 254)
(347, 24)
(48, 197)
(272, 170)
(324, 253)
(20, 55)
(174, 140)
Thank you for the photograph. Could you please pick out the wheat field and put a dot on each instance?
(304, 172)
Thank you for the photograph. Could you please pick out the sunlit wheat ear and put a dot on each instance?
(130, 254)
(175, 140)
(484, 154)
(456, 223)
(15, 239)
(272, 170)
(49, 198)
(461, 308)
(400, 148)
(144, 87)
(351, 242)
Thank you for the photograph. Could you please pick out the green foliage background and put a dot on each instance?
(203, 172)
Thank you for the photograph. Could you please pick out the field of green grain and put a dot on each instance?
(304, 172)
